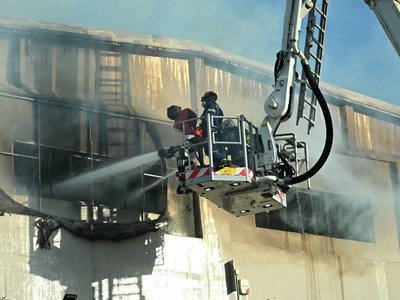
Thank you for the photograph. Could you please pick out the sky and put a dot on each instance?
(358, 55)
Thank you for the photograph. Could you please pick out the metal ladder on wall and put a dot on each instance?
(113, 89)
(113, 78)
(316, 27)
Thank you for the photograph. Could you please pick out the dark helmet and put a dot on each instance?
(227, 124)
(210, 95)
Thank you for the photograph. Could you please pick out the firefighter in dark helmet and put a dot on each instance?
(230, 133)
(208, 101)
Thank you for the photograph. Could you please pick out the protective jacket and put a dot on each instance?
(213, 109)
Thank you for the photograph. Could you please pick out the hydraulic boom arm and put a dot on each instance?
(388, 14)
(279, 104)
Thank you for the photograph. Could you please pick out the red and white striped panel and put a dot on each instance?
(197, 173)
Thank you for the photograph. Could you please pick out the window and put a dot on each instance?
(72, 141)
(322, 213)
(58, 166)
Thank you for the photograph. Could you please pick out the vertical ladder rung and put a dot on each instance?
(315, 56)
(321, 12)
(319, 28)
(319, 44)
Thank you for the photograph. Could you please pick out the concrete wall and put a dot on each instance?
(57, 79)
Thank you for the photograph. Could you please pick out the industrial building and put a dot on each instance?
(76, 101)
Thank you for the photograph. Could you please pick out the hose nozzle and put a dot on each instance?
(169, 152)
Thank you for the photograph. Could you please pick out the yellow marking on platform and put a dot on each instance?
(227, 171)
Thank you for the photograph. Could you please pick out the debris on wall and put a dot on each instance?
(47, 224)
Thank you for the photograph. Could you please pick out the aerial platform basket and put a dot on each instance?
(234, 190)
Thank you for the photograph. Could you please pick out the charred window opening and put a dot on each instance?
(322, 213)
(139, 189)
(26, 174)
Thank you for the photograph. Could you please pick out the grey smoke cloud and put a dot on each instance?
(358, 55)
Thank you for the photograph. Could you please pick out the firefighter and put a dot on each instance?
(208, 101)
(230, 133)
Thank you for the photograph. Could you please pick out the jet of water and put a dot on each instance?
(158, 181)
(113, 169)
(138, 193)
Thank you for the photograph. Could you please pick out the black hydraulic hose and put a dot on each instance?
(328, 125)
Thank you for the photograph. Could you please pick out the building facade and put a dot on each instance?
(89, 209)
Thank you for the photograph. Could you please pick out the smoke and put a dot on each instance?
(357, 185)
(252, 29)
(347, 178)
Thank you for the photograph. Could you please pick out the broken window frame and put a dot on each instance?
(323, 213)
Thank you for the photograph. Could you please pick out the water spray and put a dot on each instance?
(114, 169)
(139, 192)
(160, 179)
